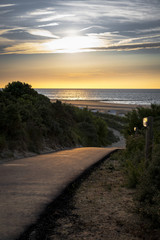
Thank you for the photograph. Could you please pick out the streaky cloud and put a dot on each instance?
(42, 12)
(48, 25)
(129, 47)
(6, 5)
(91, 27)
(29, 33)
(5, 11)
(51, 18)
(43, 33)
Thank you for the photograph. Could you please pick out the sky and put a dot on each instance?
(80, 43)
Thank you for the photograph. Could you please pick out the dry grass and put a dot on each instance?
(96, 207)
(102, 208)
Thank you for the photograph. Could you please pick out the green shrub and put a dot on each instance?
(17, 89)
(3, 143)
(148, 193)
(113, 121)
(134, 159)
(88, 134)
(102, 131)
(145, 177)
(28, 120)
(134, 170)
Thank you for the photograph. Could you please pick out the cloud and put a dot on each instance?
(45, 11)
(77, 44)
(111, 22)
(4, 42)
(2, 31)
(6, 5)
(24, 48)
(91, 27)
(117, 38)
(124, 11)
(149, 30)
(143, 30)
(51, 18)
(5, 11)
(43, 33)
(138, 38)
(27, 33)
(48, 25)
(129, 47)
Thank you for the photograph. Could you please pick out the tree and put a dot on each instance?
(17, 89)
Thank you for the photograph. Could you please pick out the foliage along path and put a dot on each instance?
(29, 184)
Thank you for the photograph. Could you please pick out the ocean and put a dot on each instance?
(124, 96)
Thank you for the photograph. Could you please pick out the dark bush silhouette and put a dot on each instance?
(29, 122)
(17, 89)
(145, 177)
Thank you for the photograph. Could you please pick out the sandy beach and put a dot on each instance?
(100, 106)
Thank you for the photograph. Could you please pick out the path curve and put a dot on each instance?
(28, 185)
(121, 143)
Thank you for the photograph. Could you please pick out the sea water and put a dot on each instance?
(125, 96)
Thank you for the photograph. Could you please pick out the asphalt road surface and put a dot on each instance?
(28, 185)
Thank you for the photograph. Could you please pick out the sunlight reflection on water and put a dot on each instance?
(125, 96)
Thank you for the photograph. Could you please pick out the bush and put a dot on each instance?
(29, 120)
(134, 159)
(88, 134)
(2, 142)
(146, 177)
(113, 121)
(17, 89)
(148, 192)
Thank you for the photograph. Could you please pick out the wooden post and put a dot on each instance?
(136, 131)
(149, 140)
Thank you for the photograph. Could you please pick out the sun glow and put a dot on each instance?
(72, 44)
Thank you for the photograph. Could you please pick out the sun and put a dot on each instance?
(72, 44)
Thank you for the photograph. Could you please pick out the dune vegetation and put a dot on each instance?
(140, 173)
(30, 122)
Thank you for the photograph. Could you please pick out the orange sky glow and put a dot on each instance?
(83, 70)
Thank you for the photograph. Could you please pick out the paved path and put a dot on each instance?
(29, 184)
(121, 143)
